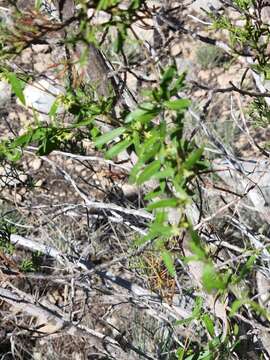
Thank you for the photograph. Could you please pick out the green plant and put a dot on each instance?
(33, 264)
(215, 347)
(248, 37)
(27, 266)
(154, 131)
(259, 112)
(167, 161)
(5, 245)
(209, 57)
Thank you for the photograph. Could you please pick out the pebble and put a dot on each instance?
(5, 94)
(130, 190)
(39, 183)
(41, 95)
(198, 5)
(36, 164)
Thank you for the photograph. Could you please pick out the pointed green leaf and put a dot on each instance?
(118, 43)
(196, 312)
(39, 133)
(173, 202)
(118, 148)
(167, 173)
(159, 230)
(168, 75)
(153, 194)
(168, 261)
(193, 158)
(211, 279)
(209, 325)
(134, 171)
(148, 172)
(22, 140)
(180, 353)
(82, 123)
(38, 4)
(16, 86)
(109, 136)
(53, 109)
(236, 306)
(144, 113)
(179, 104)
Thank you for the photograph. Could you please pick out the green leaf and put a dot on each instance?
(135, 4)
(39, 133)
(192, 357)
(209, 325)
(211, 279)
(118, 148)
(118, 43)
(179, 104)
(155, 193)
(198, 307)
(158, 230)
(185, 321)
(178, 84)
(53, 109)
(82, 123)
(247, 267)
(144, 113)
(168, 75)
(173, 202)
(254, 305)
(205, 355)
(149, 149)
(105, 4)
(168, 261)
(134, 171)
(13, 154)
(236, 306)
(167, 173)
(196, 246)
(235, 329)
(136, 141)
(94, 132)
(161, 216)
(38, 4)
(148, 172)
(22, 140)
(181, 193)
(193, 158)
(16, 86)
(109, 136)
(180, 353)
(196, 312)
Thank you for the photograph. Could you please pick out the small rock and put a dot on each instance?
(130, 191)
(39, 183)
(18, 198)
(78, 169)
(23, 178)
(40, 48)
(98, 17)
(5, 93)
(36, 164)
(26, 57)
(41, 95)
(21, 132)
(43, 62)
(207, 5)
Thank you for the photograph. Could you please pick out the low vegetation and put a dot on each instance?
(134, 212)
